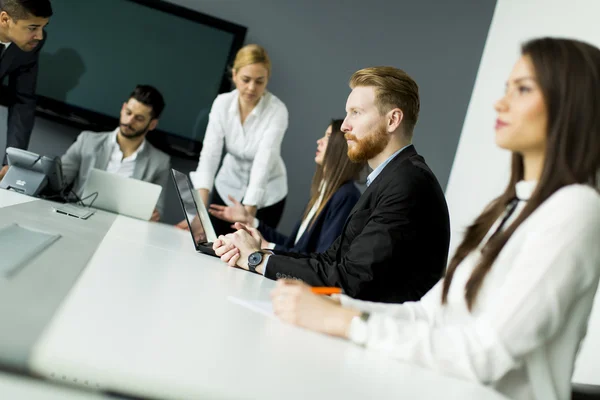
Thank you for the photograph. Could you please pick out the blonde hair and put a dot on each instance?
(252, 54)
(393, 88)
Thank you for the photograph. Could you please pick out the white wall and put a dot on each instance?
(480, 170)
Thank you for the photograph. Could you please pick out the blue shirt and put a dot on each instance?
(381, 166)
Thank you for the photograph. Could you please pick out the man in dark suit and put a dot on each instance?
(22, 36)
(394, 245)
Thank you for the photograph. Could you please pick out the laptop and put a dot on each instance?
(120, 195)
(198, 220)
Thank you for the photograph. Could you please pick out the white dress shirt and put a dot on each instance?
(119, 165)
(253, 170)
(5, 44)
(531, 313)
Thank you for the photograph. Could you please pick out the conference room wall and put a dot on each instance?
(481, 170)
(316, 45)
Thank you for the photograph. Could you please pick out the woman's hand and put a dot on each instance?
(294, 303)
(235, 213)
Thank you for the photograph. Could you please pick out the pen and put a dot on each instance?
(326, 290)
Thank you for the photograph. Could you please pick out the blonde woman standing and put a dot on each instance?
(249, 123)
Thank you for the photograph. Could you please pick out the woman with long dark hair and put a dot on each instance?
(513, 307)
(332, 197)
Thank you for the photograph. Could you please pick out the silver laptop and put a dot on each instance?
(198, 220)
(120, 195)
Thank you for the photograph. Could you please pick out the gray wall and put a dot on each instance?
(315, 45)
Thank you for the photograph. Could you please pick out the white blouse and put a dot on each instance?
(311, 213)
(253, 171)
(530, 316)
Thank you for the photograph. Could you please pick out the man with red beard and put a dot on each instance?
(394, 245)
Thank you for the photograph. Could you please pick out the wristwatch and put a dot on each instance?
(254, 260)
(358, 330)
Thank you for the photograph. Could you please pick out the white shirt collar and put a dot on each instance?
(134, 155)
(256, 111)
(524, 189)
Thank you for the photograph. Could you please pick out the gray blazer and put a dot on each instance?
(93, 150)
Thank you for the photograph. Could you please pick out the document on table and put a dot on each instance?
(262, 307)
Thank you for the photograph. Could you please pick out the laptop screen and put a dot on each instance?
(190, 209)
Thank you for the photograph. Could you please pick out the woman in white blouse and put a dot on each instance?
(249, 122)
(513, 307)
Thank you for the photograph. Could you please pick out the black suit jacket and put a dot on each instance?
(394, 245)
(323, 231)
(21, 67)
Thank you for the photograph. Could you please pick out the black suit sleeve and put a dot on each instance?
(21, 112)
(377, 234)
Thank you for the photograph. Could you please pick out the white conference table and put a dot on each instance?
(150, 317)
(16, 387)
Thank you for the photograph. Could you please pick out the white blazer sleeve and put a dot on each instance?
(268, 149)
(559, 264)
(212, 147)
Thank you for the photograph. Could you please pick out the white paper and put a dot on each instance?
(262, 307)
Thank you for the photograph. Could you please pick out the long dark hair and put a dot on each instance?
(568, 73)
(336, 170)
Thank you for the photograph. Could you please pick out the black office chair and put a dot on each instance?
(580, 391)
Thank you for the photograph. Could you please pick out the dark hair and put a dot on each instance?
(23, 9)
(393, 88)
(151, 97)
(568, 73)
(336, 170)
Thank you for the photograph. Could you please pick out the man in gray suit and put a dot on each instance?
(124, 151)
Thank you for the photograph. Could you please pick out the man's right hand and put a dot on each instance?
(3, 171)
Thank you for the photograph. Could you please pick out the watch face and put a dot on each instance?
(255, 258)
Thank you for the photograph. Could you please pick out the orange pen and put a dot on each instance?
(326, 290)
